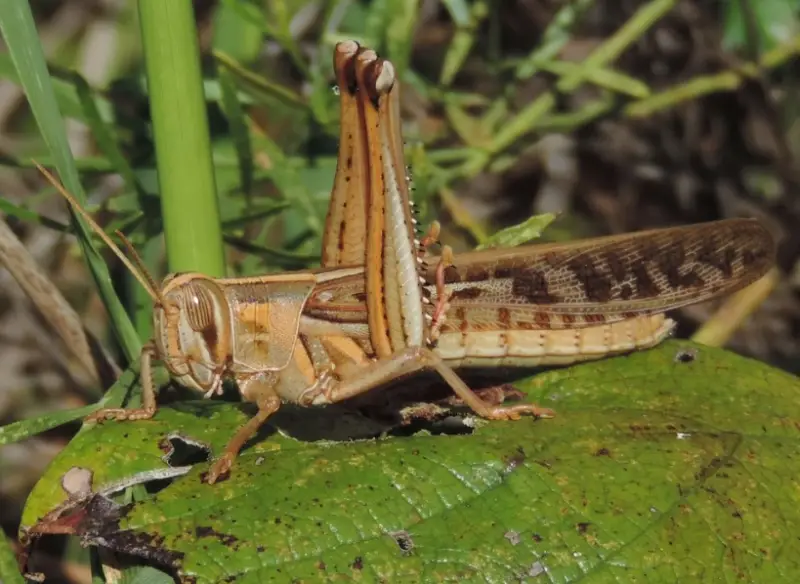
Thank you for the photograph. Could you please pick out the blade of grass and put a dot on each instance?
(101, 130)
(467, 22)
(64, 90)
(122, 390)
(241, 40)
(528, 119)
(237, 121)
(257, 83)
(557, 35)
(9, 571)
(180, 127)
(19, 32)
(47, 299)
(263, 211)
(23, 429)
(278, 257)
(236, 35)
(24, 214)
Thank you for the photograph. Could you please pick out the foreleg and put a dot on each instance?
(260, 390)
(148, 408)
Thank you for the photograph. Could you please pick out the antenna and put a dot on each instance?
(141, 274)
(137, 259)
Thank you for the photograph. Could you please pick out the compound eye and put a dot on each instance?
(199, 305)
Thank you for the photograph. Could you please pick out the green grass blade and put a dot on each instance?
(23, 429)
(25, 214)
(180, 127)
(19, 32)
(236, 35)
(237, 121)
(9, 572)
(102, 131)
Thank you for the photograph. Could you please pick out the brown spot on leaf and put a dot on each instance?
(358, 563)
(515, 460)
(225, 539)
(144, 545)
(504, 317)
(96, 520)
(583, 527)
(603, 452)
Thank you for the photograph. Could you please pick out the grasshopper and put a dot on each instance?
(377, 310)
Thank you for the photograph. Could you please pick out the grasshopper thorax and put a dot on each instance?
(192, 331)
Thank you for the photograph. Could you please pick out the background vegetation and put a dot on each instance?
(617, 115)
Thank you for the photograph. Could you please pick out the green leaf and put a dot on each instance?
(521, 233)
(9, 573)
(24, 214)
(145, 575)
(774, 22)
(237, 119)
(22, 429)
(467, 25)
(675, 464)
(235, 35)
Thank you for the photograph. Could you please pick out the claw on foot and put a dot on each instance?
(221, 467)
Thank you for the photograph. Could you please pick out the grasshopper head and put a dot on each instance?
(192, 331)
(191, 316)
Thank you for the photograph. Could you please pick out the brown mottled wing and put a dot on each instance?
(609, 278)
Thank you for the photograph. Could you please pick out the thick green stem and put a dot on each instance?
(183, 152)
